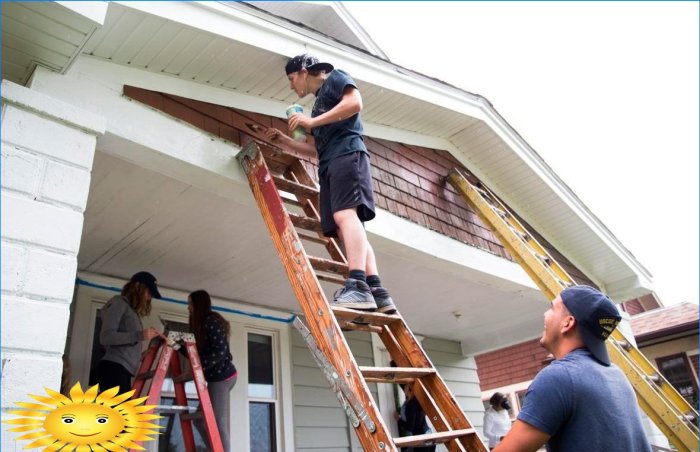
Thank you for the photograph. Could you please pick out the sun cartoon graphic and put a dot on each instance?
(85, 421)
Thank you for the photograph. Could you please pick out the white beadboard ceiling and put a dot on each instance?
(149, 41)
(44, 33)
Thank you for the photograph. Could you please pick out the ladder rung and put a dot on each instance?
(300, 221)
(191, 416)
(145, 375)
(352, 326)
(313, 238)
(328, 265)
(294, 187)
(172, 408)
(398, 381)
(391, 374)
(291, 201)
(331, 278)
(432, 438)
(373, 318)
(183, 377)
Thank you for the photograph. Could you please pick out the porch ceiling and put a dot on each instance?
(190, 239)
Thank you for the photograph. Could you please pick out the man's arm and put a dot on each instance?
(522, 437)
(349, 105)
(305, 148)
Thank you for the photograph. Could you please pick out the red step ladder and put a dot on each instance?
(166, 351)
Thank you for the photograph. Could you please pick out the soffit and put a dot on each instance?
(43, 33)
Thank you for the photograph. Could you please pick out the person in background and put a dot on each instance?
(345, 180)
(122, 332)
(496, 419)
(411, 419)
(579, 402)
(211, 332)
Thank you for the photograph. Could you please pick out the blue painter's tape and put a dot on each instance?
(82, 282)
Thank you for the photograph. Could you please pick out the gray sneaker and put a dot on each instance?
(354, 295)
(385, 304)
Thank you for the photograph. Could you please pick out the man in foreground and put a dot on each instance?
(580, 402)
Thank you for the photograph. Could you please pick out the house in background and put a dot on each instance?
(668, 337)
(120, 127)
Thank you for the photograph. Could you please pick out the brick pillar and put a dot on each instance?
(48, 148)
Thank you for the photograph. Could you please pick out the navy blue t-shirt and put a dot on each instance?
(584, 406)
(341, 137)
(215, 356)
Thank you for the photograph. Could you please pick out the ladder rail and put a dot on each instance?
(325, 338)
(660, 400)
(168, 359)
(321, 321)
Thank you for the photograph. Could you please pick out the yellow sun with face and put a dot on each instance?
(85, 421)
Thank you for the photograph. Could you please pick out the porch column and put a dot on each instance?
(48, 148)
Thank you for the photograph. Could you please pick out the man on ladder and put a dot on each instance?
(344, 173)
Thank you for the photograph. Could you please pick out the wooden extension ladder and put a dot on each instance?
(672, 413)
(165, 348)
(272, 172)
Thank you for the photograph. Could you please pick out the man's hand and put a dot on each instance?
(273, 134)
(301, 149)
(150, 333)
(300, 120)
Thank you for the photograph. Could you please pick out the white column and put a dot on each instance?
(48, 148)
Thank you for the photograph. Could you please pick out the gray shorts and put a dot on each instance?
(346, 183)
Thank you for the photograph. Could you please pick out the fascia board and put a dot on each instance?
(357, 29)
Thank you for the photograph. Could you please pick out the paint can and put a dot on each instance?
(298, 134)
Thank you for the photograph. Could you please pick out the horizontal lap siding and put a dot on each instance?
(459, 373)
(320, 424)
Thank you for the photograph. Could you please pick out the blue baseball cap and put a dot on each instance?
(149, 281)
(596, 316)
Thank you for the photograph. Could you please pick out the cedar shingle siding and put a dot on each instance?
(407, 179)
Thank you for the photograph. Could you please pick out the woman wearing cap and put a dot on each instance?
(496, 419)
(211, 333)
(122, 332)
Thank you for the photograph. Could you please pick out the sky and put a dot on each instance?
(605, 92)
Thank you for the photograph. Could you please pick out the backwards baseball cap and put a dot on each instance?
(596, 316)
(308, 62)
(149, 281)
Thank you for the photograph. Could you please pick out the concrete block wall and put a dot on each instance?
(48, 148)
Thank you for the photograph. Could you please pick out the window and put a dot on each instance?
(262, 393)
(677, 371)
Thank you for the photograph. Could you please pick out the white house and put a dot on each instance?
(100, 181)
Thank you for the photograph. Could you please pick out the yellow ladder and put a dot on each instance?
(672, 413)
(280, 182)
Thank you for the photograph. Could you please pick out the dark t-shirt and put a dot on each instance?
(341, 137)
(584, 406)
(215, 356)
